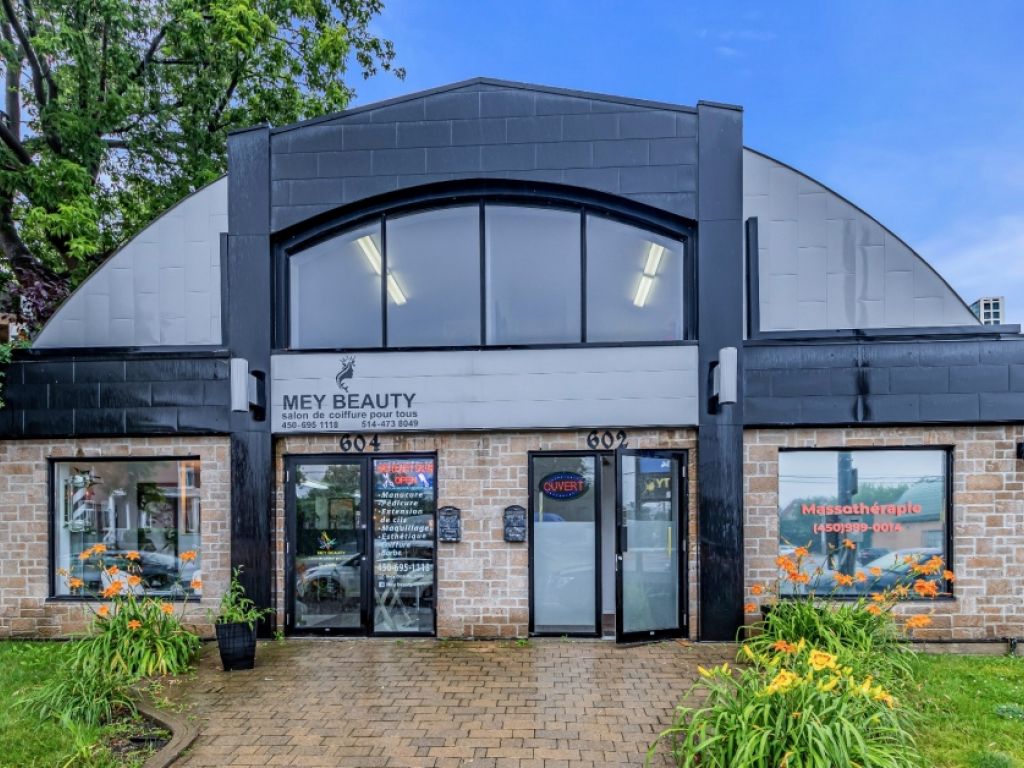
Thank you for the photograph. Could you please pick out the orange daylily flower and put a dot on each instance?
(166, 608)
(114, 589)
(76, 583)
(757, 589)
(133, 555)
(949, 576)
(861, 577)
(134, 581)
(877, 597)
(85, 555)
(873, 609)
(99, 549)
(113, 570)
(801, 552)
(784, 647)
(785, 563)
(799, 578)
(187, 557)
(875, 571)
(916, 622)
(750, 608)
(849, 544)
(196, 584)
(843, 580)
(926, 588)
(134, 624)
(901, 590)
(103, 611)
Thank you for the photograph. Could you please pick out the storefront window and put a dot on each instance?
(564, 544)
(533, 275)
(863, 515)
(434, 282)
(148, 507)
(634, 284)
(335, 291)
(404, 502)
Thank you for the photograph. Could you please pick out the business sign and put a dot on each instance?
(563, 486)
(484, 389)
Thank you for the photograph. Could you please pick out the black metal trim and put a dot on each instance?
(924, 333)
(482, 348)
(682, 457)
(91, 354)
(753, 279)
(598, 509)
(51, 511)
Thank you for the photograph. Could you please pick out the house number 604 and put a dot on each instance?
(358, 443)
(607, 439)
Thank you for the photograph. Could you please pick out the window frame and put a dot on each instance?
(659, 223)
(51, 506)
(949, 468)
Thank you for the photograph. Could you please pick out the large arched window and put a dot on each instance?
(486, 273)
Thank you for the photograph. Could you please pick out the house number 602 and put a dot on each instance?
(607, 439)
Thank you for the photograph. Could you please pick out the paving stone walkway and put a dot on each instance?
(439, 704)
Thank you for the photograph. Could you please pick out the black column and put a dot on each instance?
(720, 324)
(249, 311)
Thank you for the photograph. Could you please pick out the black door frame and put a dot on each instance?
(682, 456)
(366, 531)
(597, 456)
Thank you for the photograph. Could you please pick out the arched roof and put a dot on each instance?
(825, 264)
(161, 288)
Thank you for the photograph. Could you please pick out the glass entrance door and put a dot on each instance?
(650, 554)
(327, 545)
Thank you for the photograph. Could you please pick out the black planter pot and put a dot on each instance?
(237, 644)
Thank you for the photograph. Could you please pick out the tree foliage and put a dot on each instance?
(115, 109)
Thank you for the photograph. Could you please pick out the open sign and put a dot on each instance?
(563, 485)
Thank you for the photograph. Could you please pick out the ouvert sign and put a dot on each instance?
(484, 389)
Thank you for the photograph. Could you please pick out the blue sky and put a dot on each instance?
(914, 110)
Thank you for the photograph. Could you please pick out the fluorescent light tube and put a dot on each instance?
(395, 290)
(369, 249)
(654, 254)
(372, 254)
(643, 290)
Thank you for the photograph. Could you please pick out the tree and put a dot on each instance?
(116, 109)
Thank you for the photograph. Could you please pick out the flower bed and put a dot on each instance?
(823, 681)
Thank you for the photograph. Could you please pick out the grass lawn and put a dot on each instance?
(972, 711)
(26, 742)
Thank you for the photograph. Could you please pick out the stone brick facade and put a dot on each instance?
(483, 582)
(988, 518)
(26, 608)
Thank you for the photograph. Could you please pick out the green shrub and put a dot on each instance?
(235, 607)
(799, 708)
(871, 643)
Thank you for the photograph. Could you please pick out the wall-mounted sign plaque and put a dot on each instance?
(449, 524)
(515, 523)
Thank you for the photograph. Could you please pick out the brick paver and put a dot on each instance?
(437, 704)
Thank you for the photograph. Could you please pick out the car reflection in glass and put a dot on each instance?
(335, 582)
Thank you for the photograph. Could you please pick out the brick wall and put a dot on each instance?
(25, 610)
(483, 582)
(988, 517)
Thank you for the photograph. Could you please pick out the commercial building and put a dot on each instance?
(498, 359)
(989, 309)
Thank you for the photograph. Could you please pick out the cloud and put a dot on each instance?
(725, 50)
(982, 257)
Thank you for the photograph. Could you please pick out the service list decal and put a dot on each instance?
(349, 408)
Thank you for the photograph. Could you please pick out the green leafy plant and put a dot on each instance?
(88, 697)
(799, 708)
(235, 607)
